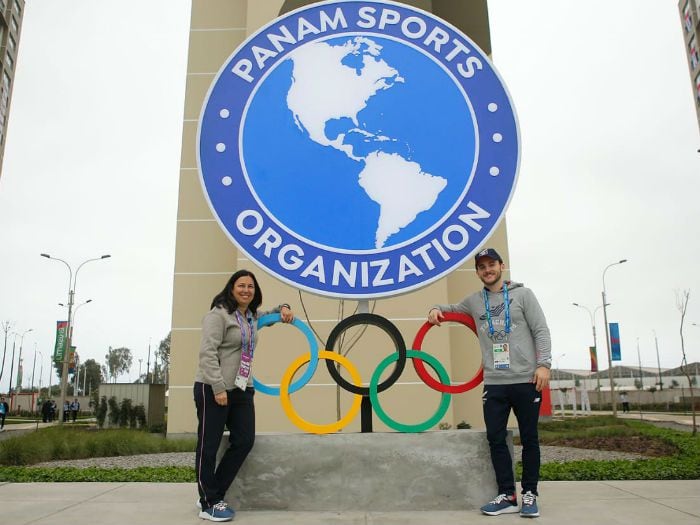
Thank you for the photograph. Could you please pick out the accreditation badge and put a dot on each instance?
(244, 371)
(501, 356)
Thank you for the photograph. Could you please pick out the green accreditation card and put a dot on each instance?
(501, 356)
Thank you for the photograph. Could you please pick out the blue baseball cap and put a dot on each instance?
(488, 252)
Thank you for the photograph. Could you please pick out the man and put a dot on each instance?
(516, 354)
(74, 409)
(4, 409)
(625, 402)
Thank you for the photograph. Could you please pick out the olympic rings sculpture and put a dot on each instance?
(355, 387)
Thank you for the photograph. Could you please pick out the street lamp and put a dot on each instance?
(76, 375)
(607, 340)
(595, 342)
(658, 361)
(41, 368)
(556, 365)
(72, 280)
(19, 361)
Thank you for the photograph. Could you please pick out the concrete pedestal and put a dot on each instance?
(440, 470)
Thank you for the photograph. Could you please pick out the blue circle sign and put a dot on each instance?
(358, 149)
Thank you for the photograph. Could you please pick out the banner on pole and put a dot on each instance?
(615, 349)
(594, 358)
(72, 359)
(61, 341)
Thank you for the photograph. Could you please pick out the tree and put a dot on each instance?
(117, 361)
(163, 355)
(92, 372)
(682, 306)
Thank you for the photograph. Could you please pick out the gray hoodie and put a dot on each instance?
(529, 341)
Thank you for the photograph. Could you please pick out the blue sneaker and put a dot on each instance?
(219, 512)
(529, 507)
(501, 504)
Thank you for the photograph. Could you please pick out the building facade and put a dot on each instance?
(690, 20)
(11, 13)
(205, 259)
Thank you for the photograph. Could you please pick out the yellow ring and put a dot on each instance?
(287, 403)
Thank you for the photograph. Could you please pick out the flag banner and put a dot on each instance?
(61, 340)
(594, 358)
(615, 349)
(72, 359)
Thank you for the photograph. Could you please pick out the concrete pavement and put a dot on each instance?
(561, 503)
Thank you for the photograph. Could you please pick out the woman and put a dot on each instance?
(223, 389)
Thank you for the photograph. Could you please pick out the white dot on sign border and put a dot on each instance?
(494, 171)
(224, 113)
(493, 107)
(227, 181)
(221, 147)
(497, 137)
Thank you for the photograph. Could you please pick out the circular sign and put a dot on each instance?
(358, 149)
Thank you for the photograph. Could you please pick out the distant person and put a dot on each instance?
(4, 409)
(516, 352)
(223, 389)
(53, 408)
(46, 411)
(66, 409)
(625, 402)
(74, 409)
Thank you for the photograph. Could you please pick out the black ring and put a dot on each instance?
(380, 322)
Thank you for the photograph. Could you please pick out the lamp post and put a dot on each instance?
(19, 361)
(72, 280)
(607, 340)
(41, 368)
(658, 361)
(556, 365)
(6, 325)
(595, 342)
(12, 360)
(76, 375)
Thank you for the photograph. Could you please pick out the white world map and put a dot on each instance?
(338, 91)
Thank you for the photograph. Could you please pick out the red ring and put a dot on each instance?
(467, 321)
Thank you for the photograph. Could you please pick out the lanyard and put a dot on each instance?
(247, 334)
(506, 304)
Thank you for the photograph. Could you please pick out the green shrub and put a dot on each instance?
(93, 474)
(685, 464)
(113, 412)
(60, 443)
(101, 412)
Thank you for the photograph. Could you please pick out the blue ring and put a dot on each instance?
(267, 320)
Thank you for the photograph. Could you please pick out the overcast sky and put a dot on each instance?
(610, 170)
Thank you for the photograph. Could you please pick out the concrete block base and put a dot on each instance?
(440, 470)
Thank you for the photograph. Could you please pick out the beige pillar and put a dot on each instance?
(205, 259)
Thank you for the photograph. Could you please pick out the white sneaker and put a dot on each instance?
(219, 512)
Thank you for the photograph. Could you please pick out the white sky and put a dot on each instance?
(610, 170)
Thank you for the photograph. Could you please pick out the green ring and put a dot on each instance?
(444, 402)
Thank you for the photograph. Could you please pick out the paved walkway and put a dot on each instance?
(561, 503)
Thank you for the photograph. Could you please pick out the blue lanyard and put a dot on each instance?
(247, 333)
(506, 304)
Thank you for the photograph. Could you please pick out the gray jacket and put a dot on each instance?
(220, 349)
(529, 341)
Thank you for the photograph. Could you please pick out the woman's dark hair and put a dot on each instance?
(225, 298)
